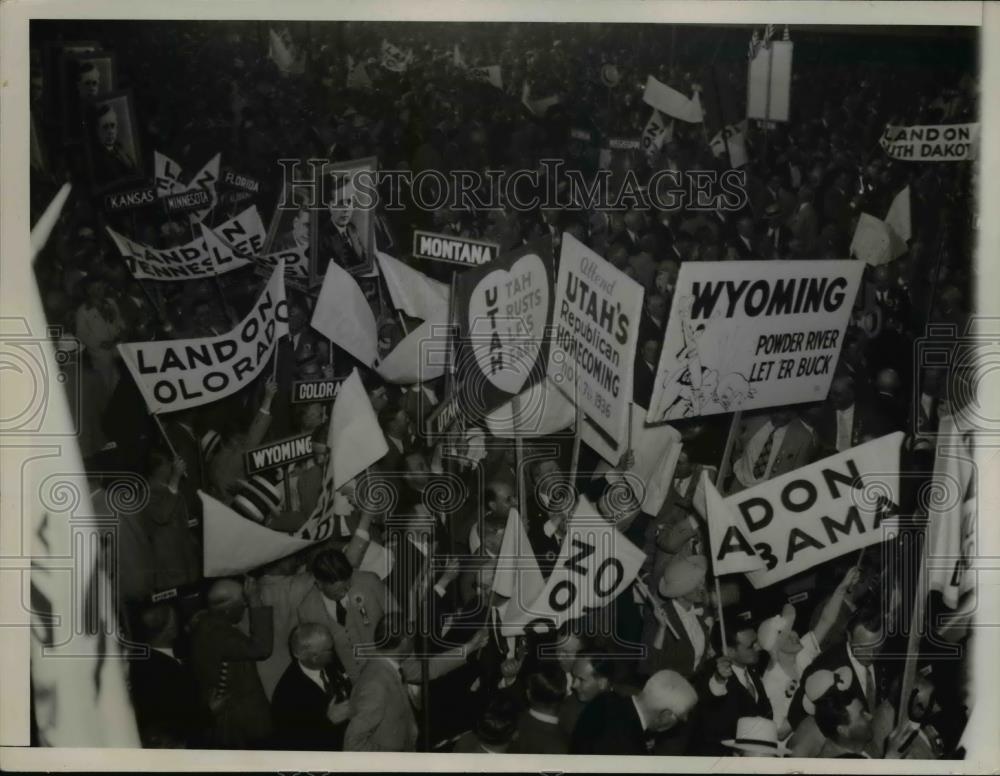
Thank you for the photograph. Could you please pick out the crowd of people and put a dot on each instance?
(314, 652)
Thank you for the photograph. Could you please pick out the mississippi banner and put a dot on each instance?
(745, 335)
(178, 374)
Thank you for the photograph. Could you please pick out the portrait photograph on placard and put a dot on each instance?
(114, 154)
(346, 228)
(83, 77)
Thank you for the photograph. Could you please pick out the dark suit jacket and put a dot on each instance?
(334, 247)
(188, 448)
(168, 707)
(299, 708)
(644, 378)
(224, 657)
(826, 430)
(535, 736)
(609, 724)
(718, 714)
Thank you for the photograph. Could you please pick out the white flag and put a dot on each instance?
(233, 544)
(166, 175)
(343, 315)
(517, 574)
(873, 241)
(355, 441)
(731, 550)
(731, 139)
(412, 291)
(78, 676)
(899, 221)
(543, 410)
(672, 102)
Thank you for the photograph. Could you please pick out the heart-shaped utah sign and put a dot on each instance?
(508, 310)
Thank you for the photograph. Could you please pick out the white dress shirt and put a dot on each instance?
(845, 428)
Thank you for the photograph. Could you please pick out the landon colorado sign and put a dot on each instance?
(746, 335)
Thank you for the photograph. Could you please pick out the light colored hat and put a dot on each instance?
(682, 575)
(820, 682)
(769, 630)
(757, 735)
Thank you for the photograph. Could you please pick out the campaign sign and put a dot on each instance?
(453, 250)
(280, 453)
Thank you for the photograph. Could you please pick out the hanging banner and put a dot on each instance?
(502, 311)
(199, 258)
(178, 374)
(596, 325)
(814, 514)
(463, 251)
(769, 82)
(932, 142)
(746, 335)
(595, 565)
(280, 453)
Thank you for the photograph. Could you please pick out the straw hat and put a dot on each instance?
(757, 735)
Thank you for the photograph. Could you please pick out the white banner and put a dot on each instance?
(656, 132)
(596, 564)
(732, 140)
(729, 554)
(596, 326)
(355, 441)
(932, 142)
(199, 258)
(672, 102)
(296, 262)
(752, 334)
(243, 234)
(166, 175)
(816, 513)
(178, 374)
(769, 82)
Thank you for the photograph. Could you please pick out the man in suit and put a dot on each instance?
(340, 240)
(183, 440)
(310, 703)
(769, 446)
(169, 710)
(653, 321)
(774, 243)
(676, 627)
(733, 690)
(844, 422)
(592, 674)
(645, 369)
(224, 659)
(618, 724)
(398, 430)
(538, 729)
(745, 243)
(804, 223)
(112, 161)
(348, 602)
(382, 718)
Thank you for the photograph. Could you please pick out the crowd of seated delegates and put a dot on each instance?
(272, 661)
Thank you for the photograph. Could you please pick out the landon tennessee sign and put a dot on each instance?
(177, 374)
(752, 334)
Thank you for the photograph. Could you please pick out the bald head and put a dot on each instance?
(311, 644)
(666, 699)
(887, 381)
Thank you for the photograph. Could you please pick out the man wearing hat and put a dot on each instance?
(792, 655)
(756, 737)
(774, 242)
(676, 627)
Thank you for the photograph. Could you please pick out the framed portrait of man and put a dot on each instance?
(83, 77)
(345, 228)
(114, 155)
(52, 58)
